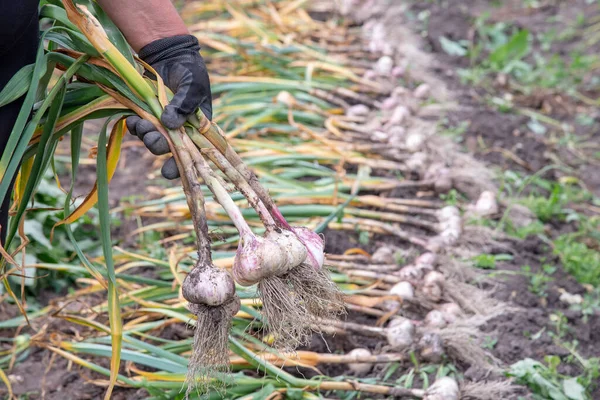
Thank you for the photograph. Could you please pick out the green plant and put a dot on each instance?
(578, 251)
(545, 382)
(538, 281)
(488, 261)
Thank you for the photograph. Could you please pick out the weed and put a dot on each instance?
(488, 261)
(538, 281)
(451, 198)
(489, 342)
(578, 259)
(545, 382)
(590, 305)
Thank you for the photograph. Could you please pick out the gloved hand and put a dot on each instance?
(177, 60)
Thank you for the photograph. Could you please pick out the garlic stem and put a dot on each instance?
(221, 195)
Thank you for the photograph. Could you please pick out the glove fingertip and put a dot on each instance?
(156, 143)
(169, 169)
(171, 118)
(131, 123)
(144, 126)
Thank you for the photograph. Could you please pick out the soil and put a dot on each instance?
(529, 331)
(490, 133)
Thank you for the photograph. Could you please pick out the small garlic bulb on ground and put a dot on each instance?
(370, 75)
(410, 272)
(426, 259)
(450, 225)
(384, 255)
(422, 91)
(378, 37)
(414, 141)
(448, 212)
(389, 103)
(358, 110)
(435, 319)
(399, 71)
(384, 66)
(400, 333)
(444, 388)
(404, 290)
(441, 177)
(431, 347)
(396, 136)
(286, 98)
(417, 162)
(433, 285)
(360, 368)
(399, 116)
(451, 312)
(486, 204)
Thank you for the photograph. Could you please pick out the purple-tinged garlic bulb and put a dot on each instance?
(291, 246)
(257, 258)
(208, 285)
(315, 246)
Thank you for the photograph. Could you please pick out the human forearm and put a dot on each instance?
(143, 21)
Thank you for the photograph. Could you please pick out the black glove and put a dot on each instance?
(177, 60)
(154, 141)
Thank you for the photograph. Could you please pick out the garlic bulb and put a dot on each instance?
(433, 285)
(426, 259)
(358, 110)
(444, 388)
(400, 333)
(431, 347)
(384, 66)
(422, 91)
(435, 319)
(383, 255)
(486, 204)
(404, 290)
(360, 368)
(410, 272)
(451, 312)
(414, 141)
(208, 285)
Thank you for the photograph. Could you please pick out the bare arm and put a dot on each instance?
(143, 21)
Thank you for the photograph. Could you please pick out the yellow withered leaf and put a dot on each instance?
(112, 159)
(22, 179)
